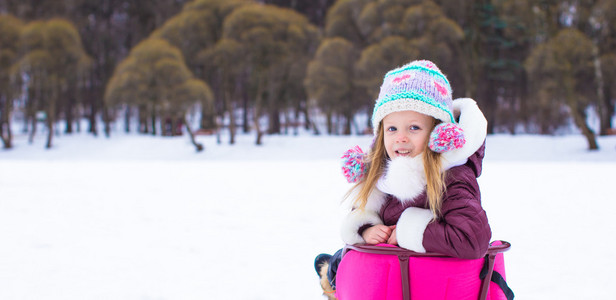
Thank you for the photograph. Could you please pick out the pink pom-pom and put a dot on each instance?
(353, 166)
(446, 137)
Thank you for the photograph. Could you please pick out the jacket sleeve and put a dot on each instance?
(463, 230)
(358, 218)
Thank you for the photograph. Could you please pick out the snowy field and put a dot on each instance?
(140, 217)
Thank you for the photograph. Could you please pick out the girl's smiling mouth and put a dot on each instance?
(401, 152)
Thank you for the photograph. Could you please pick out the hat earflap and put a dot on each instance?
(446, 137)
(353, 165)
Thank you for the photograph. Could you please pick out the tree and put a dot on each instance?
(195, 31)
(408, 30)
(329, 80)
(602, 30)
(222, 60)
(561, 71)
(34, 9)
(276, 41)
(388, 34)
(54, 62)
(315, 10)
(374, 62)
(10, 31)
(343, 20)
(110, 28)
(516, 27)
(155, 78)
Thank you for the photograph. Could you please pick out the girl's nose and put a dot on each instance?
(402, 138)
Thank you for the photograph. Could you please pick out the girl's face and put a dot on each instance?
(406, 133)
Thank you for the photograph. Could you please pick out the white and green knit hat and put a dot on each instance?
(418, 86)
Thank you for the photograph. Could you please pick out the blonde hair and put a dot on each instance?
(376, 162)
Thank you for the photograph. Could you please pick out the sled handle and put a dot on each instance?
(494, 248)
(404, 255)
(498, 247)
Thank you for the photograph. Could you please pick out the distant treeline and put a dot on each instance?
(258, 66)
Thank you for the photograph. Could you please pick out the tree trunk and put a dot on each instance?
(310, 124)
(50, 121)
(275, 93)
(6, 143)
(358, 130)
(257, 114)
(153, 122)
(296, 122)
(92, 129)
(208, 117)
(218, 124)
(315, 129)
(199, 147)
(93, 110)
(605, 115)
(28, 114)
(274, 120)
(257, 111)
(610, 107)
(127, 119)
(5, 124)
(490, 101)
(258, 129)
(307, 120)
(78, 121)
(2, 133)
(232, 122)
(203, 124)
(6, 135)
(33, 131)
(143, 121)
(107, 121)
(68, 113)
(579, 117)
(245, 126)
(347, 124)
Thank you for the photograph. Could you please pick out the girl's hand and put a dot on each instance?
(377, 234)
(392, 237)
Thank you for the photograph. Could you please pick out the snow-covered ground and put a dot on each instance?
(141, 217)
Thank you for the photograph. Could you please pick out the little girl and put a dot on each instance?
(417, 187)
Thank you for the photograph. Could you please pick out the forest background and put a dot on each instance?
(268, 67)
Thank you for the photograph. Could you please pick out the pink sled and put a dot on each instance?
(386, 272)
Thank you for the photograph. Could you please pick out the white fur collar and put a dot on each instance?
(404, 178)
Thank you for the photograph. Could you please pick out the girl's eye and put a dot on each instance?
(391, 128)
(414, 127)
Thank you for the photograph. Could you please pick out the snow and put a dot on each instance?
(142, 217)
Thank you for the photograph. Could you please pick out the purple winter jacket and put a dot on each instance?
(462, 230)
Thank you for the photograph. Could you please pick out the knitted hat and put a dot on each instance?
(418, 86)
